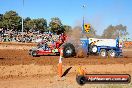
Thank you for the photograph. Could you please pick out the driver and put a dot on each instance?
(43, 45)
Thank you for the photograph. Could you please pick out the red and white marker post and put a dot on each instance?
(60, 63)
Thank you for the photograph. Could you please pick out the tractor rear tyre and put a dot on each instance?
(68, 50)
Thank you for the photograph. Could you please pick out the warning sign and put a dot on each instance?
(87, 27)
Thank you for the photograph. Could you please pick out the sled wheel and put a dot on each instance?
(103, 53)
(112, 53)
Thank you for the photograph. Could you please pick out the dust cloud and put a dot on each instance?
(74, 37)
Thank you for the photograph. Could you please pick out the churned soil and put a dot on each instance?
(19, 56)
(20, 70)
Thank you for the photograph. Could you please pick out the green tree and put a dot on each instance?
(1, 17)
(27, 19)
(120, 30)
(40, 24)
(28, 24)
(1, 20)
(55, 25)
(35, 24)
(11, 20)
(66, 28)
(115, 31)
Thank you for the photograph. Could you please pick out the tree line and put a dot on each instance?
(12, 21)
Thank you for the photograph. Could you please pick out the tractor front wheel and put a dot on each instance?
(34, 53)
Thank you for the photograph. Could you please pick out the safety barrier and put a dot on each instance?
(127, 44)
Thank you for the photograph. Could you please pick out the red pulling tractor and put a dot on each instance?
(51, 46)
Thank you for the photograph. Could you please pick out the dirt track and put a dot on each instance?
(19, 68)
(16, 57)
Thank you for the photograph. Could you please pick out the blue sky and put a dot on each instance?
(99, 13)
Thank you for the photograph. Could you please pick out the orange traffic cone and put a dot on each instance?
(81, 71)
(60, 63)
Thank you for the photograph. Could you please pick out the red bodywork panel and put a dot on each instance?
(43, 52)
